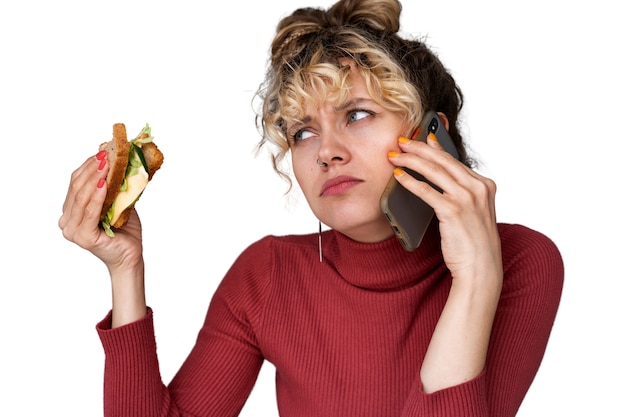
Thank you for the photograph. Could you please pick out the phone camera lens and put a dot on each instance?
(433, 125)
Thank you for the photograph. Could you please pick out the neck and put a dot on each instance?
(383, 265)
(370, 233)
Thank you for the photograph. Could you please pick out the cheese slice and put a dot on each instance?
(135, 185)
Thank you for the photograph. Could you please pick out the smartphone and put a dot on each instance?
(408, 215)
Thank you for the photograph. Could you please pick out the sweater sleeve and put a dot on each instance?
(132, 380)
(533, 281)
(221, 369)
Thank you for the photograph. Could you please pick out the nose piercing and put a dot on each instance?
(321, 164)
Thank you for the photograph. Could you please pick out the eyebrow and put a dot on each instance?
(353, 103)
(350, 103)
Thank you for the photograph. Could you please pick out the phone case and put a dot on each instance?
(408, 215)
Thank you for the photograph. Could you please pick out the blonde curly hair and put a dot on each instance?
(305, 67)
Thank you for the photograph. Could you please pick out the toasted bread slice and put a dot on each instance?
(117, 154)
(153, 157)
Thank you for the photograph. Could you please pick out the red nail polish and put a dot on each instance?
(101, 182)
(100, 155)
(102, 165)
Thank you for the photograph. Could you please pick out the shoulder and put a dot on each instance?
(261, 258)
(272, 248)
(521, 241)
(531, 259)
(250, 279)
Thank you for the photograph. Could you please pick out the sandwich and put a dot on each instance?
(131, 166)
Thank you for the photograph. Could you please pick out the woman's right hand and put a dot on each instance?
(121, 254)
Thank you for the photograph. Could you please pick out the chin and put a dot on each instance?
(358, 214)
(361, 230)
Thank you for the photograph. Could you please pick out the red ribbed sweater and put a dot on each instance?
(347, 336)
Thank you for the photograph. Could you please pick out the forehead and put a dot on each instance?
(323, 85)
(348, 83)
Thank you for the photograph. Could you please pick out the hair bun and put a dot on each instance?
(301, 22)
(379, 15)
(370, 15)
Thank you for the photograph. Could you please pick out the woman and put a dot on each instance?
(457, 327)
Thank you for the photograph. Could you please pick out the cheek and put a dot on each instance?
(303, 170)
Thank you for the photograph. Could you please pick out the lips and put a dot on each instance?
(339, 185)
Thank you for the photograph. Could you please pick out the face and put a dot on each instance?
(352, 141)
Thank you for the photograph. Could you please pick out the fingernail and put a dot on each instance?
(101, 182)
(100, 155)
(432, 137)
(403, 140)
(398, 172)
(102, 165)
(393, 154)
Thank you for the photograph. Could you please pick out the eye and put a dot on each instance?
(356, 115)
(301, 135)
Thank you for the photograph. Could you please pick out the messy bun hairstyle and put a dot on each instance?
(401, 75)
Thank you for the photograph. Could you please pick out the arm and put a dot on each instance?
(494, 328)
(458, 347)
(122, 255)
(471, 250)
(215, 380)
(219, 373)
(531, 292)
(128, 296)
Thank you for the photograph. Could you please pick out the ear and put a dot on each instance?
(444, 119)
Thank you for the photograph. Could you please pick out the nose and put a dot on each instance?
(333, 148)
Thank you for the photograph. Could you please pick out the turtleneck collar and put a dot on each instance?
(385, 265)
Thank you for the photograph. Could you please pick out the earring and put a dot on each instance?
(319, 239)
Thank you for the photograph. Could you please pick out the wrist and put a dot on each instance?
(484, 273)
(482, 288)
(128, 295)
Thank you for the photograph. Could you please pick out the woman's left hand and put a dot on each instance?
(466, 208)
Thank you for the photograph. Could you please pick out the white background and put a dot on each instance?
(544, 86)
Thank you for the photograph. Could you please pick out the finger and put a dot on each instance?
(82, 223)
(434, 163)
(77, 179)
(419, 187)
(460, 185)
(428, 159)
(76, 176)
(432, 140)
(85, 197)
(459, 202)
